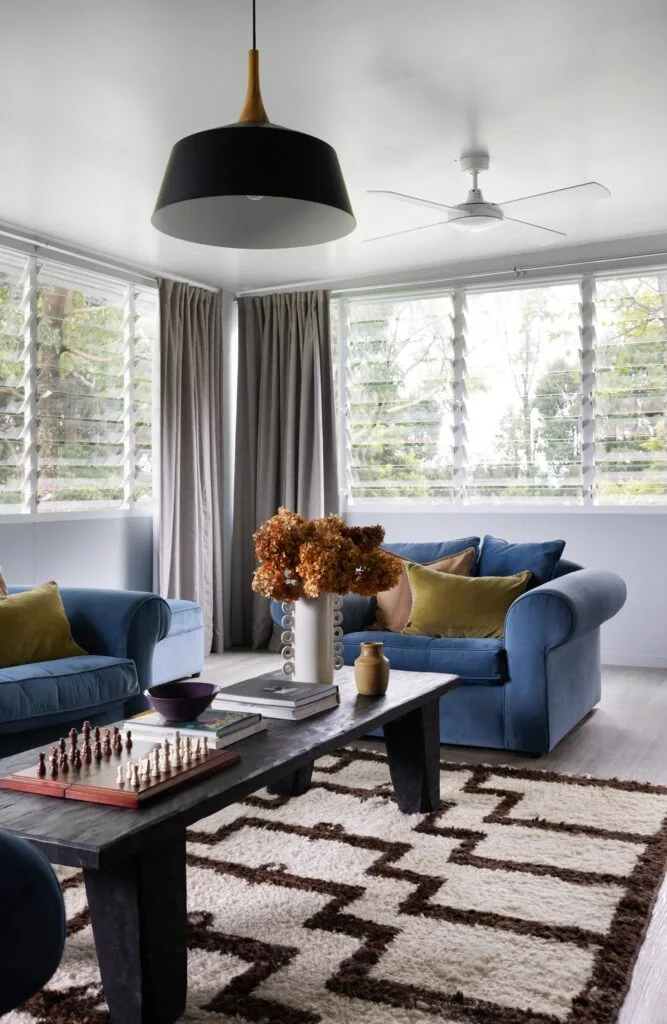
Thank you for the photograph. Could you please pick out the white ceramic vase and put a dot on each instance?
(312, 632)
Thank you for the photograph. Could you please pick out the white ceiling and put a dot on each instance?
(94, 94)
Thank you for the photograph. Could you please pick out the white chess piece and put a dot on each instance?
(155, 768)
(146, 767)
(128, 772)
(197, 749)
(177, 762)
(205, 746)
(187, 757)
(166, 756)
(119, 776)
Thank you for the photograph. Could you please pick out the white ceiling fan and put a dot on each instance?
(476, 214)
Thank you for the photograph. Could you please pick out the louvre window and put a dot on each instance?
(554, 393)
(13, 289)
(76, 413)
(399, 397)
(524, 396)
(631, 391)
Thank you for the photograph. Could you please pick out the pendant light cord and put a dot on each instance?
(254, 33)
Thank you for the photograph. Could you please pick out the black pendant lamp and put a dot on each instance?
(253, 184)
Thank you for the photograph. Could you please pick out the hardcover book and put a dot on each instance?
(210, 723)
(274, 691)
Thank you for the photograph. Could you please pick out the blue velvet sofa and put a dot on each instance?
(119, 629)
(522, 692)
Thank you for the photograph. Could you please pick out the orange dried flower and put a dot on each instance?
(308, 557)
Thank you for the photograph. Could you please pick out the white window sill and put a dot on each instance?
(58, 517)
(423, 508)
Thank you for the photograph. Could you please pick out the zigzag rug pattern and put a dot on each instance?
(523, 900)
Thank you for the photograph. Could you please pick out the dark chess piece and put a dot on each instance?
(53, 763)
(106, 743)
(41, 767)
(64, 764)
(62, 745)
(85, 729)
(97, 751)
(96, 734)
(77, 758)
(73, 739)
(128, 740)
(87, 753)
(117, 740)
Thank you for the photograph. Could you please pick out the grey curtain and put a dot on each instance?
(285, 433)
(191, 424)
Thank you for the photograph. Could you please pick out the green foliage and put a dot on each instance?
(79, 393)
(401, 396)
(399, 371)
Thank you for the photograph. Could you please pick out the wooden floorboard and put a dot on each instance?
(623, 738)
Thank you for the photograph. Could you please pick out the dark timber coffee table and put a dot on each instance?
(134, 860)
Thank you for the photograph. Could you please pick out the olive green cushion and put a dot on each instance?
(34, 627)
(460, 606)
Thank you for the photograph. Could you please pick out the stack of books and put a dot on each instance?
(277, 698)
(222, 728)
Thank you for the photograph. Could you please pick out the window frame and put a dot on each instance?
(29, 510)
(458, 291)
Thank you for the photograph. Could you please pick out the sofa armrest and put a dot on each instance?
(564, 608)
(552, 644)
(117, 623)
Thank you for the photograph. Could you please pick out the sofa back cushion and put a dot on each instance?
(34, 627)
(393, 606)
(461, 606)
(424, 552)
(500, 558)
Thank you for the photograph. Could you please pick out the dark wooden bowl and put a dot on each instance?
(181, 702)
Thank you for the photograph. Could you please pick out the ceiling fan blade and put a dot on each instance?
(540, 227)
(408, 199)
(407, 231)
(588, 191)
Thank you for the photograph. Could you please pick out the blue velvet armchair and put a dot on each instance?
(32, 911)
(119, 629)
(524, 691)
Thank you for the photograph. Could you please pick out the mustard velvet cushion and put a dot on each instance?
(395, 605)
(461, 606)
(34, 627)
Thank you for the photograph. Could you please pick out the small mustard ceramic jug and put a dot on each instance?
(371, 669)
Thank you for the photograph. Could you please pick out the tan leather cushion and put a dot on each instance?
(394, 606)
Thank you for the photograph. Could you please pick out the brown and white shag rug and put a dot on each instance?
(523, 900)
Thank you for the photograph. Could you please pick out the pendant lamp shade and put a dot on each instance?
(253, 184)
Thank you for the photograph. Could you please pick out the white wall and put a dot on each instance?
(114, 551)
(633, 544)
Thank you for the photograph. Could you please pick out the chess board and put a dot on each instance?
(99, 780)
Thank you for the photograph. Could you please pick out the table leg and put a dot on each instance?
(295, 784)
(138, 911)
(413, 749)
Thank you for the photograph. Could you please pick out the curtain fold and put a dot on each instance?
(285, 433)
(191, 474)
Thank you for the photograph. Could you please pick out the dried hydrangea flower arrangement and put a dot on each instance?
(306, 558)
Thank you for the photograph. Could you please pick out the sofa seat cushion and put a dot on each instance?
(185, 616)
(473, 660)
(69, 685)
